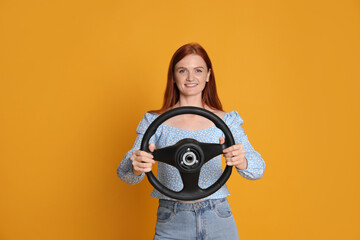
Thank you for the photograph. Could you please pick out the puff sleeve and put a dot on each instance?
(256, 165)
(124, 170)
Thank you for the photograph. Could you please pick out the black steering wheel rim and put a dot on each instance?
(191, 192)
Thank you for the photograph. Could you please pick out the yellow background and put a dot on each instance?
(77, 76)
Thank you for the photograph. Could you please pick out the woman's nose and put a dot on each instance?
(190, 76)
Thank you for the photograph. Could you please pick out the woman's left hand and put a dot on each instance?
(235, 155)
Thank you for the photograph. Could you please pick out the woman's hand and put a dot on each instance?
(142, 161)
(235, 155)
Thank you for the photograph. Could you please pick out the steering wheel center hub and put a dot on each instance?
(189, 157)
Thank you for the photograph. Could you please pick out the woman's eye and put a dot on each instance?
(182, 71)
(198, 70)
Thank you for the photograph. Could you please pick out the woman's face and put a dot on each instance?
(191, 75)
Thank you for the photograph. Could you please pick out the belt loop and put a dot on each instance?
(175, 205)
(211, 204)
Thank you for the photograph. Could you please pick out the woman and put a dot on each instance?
(191, 82)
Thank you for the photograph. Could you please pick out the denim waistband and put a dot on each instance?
(181, 206)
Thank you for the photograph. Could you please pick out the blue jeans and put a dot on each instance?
(209, 219)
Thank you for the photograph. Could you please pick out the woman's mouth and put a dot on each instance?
(191, 85)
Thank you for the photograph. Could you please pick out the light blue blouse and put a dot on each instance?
(210, 172)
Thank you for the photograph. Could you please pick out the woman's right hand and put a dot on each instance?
(142, 161)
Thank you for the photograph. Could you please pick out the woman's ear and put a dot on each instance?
(208, 75)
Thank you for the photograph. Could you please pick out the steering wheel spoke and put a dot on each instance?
(190, 181)
(165, 155)
(211, 150)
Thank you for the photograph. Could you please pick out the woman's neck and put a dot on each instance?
(194, 102)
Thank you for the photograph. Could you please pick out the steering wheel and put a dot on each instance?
(188, 156)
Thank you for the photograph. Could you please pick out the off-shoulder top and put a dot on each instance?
(169, 176)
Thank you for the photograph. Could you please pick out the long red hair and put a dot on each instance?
(209, 94)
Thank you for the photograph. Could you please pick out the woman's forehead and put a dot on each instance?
(192, 60)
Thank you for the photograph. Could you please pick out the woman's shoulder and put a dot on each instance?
(232, 118)
(151, 114)
(147, 119)
(221, 114)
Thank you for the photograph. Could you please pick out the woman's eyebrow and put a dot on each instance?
(186, 67)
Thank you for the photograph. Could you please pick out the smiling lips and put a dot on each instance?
(191, 85)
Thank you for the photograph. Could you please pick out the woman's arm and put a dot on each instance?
(125, 169)
(255, 164)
